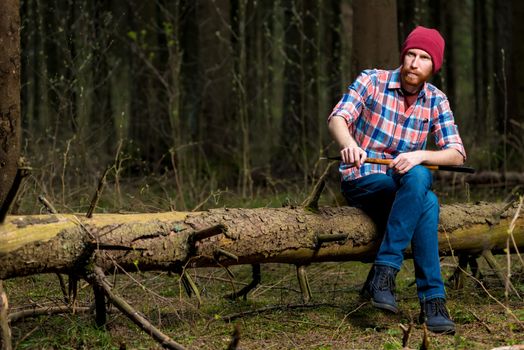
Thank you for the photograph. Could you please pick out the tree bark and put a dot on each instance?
(169, 241)
(9, 95)
(375, 46)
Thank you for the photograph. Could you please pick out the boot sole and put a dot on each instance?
(386, 307)
(442, 329)
(365, 296)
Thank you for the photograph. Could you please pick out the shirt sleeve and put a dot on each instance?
(350, 105)
(445, 130)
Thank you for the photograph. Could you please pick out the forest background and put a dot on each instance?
(191, 105)
(190, 101)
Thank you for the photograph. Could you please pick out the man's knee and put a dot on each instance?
(418, 176)
(432, 202)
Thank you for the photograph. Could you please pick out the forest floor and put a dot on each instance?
(273, 316)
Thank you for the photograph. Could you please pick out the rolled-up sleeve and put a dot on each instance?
(350, 105)
(445, 130)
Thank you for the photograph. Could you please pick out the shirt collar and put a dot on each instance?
(394, 83)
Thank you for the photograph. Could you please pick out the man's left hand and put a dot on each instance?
(405, 161)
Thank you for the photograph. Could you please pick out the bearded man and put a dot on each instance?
(388, 114)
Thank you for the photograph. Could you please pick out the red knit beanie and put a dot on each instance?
(428, 40)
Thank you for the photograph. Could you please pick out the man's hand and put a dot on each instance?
(353, 155)
(405, 161)
(350, 152)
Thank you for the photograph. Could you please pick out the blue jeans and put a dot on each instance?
(407, 211)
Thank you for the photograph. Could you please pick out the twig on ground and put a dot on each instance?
(406, 332)
(492, 262)
(132, 278)
(425, 338)
(51, 310)
(481, 321)
(507, 309)
(235, 339)
(344, 319)
(264, 288)
(27, 335)
(221, 279)
(99, 278)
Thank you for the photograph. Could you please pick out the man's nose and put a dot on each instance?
(414, 62)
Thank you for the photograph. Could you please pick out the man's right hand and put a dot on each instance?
(353, 155)
(350, 152)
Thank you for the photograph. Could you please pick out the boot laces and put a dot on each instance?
(386, 281)
(437, 307)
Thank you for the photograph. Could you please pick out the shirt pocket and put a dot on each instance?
(416, 133)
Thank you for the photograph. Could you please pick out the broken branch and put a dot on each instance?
(131, 313)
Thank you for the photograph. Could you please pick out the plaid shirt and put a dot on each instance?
(375, 113)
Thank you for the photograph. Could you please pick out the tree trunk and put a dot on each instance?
(168, 241)
(375, 46)
(501, 48)
(209, 71)
(516, 90)
(241, 88)
(9, 96)
(291, 156)
(483, 65)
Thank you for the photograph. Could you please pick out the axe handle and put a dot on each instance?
(457, 168)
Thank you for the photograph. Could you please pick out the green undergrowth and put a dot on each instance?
(335, 318)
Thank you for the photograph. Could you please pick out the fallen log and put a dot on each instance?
(171, 241)
(85, 247)
(489, 178)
